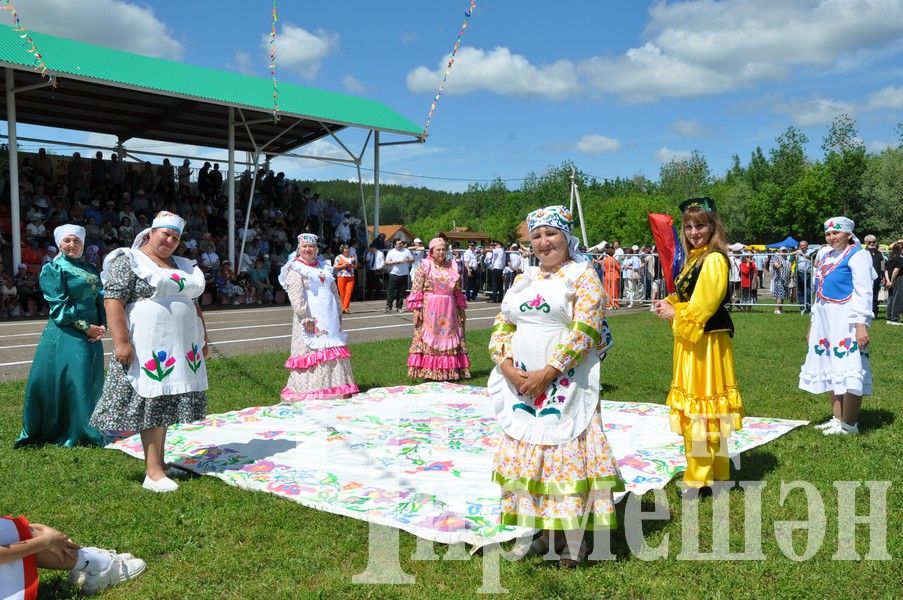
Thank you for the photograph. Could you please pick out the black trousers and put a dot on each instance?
(471, 284)
(876, 287)
(495, 280)
(374, 285)
(397, 285)
(895, 301)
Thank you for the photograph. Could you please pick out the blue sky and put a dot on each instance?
(616, 87)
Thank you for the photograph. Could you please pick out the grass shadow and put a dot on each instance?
(871, 419)
(754, 465)
(232, 457)
(607, 389)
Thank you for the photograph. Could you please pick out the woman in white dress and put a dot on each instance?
(320, 363)
(837, 362)
(553, 463)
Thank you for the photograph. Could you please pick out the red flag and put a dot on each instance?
(665, 244)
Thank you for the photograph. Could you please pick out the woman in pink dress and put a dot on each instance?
(438, 350)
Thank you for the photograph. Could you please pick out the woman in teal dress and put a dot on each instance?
(67, 373)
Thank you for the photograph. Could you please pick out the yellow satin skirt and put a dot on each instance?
(705, 405)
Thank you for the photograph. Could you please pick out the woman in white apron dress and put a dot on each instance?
(158, 375)
(320, 363)
(837, 361)
(554, 464)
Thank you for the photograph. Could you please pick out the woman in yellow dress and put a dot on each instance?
(704, 397)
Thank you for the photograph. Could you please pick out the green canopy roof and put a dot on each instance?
(111, 91)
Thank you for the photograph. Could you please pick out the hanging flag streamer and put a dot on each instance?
(451, 61)
(273, 65)
(31, 47)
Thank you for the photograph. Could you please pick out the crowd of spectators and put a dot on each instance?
(115, 200)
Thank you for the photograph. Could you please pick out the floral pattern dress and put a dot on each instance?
(438, 350)
(780, 274)
(555, 473)
(120, 407)
(314, 373)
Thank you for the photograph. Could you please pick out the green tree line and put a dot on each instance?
(769, 196)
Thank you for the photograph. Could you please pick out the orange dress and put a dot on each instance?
(612, 270)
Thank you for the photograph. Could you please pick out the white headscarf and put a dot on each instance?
(63, 230)
(560, 218)
(842, 224)
(163, 219)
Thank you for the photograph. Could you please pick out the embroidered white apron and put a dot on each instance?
(323, 306)
(165, 330)
(542, 310)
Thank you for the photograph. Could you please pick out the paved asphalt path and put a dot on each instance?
(241, 330)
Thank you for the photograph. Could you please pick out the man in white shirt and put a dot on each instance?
(734, 278)
(418, 252)
(804, 277)
(471, 271)
(630, 272)
(496, 267)
(515, 265)
(374, 261)
(398, 261)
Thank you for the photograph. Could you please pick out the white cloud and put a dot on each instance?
(597, 144)
(352, 85)
(817, 111)
(693, 48)
(111, 23)
(498, 71)
(665, 154)
(300, 50)
(889, 97)
(704, 47)
(409, 37)
(242, 63)
(175, 152)
(879, 146)
(693, 129)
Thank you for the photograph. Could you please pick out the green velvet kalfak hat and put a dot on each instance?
(704, 203)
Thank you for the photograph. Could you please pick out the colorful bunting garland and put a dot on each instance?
(273, 65)
(31, 47)
(451, 61)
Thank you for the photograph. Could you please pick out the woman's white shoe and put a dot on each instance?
(161, 485)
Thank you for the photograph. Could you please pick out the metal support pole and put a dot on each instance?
(232, 185)
(244, 234)
(375, 183)
(360, 183)
(15, 217)
(580, 212)
(572, 189)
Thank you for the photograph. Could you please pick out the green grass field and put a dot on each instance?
(210, 540)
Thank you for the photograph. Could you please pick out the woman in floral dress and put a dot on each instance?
(780, 277)
(320, 363)
(438, 350)
(554, 464)
(158, 374)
